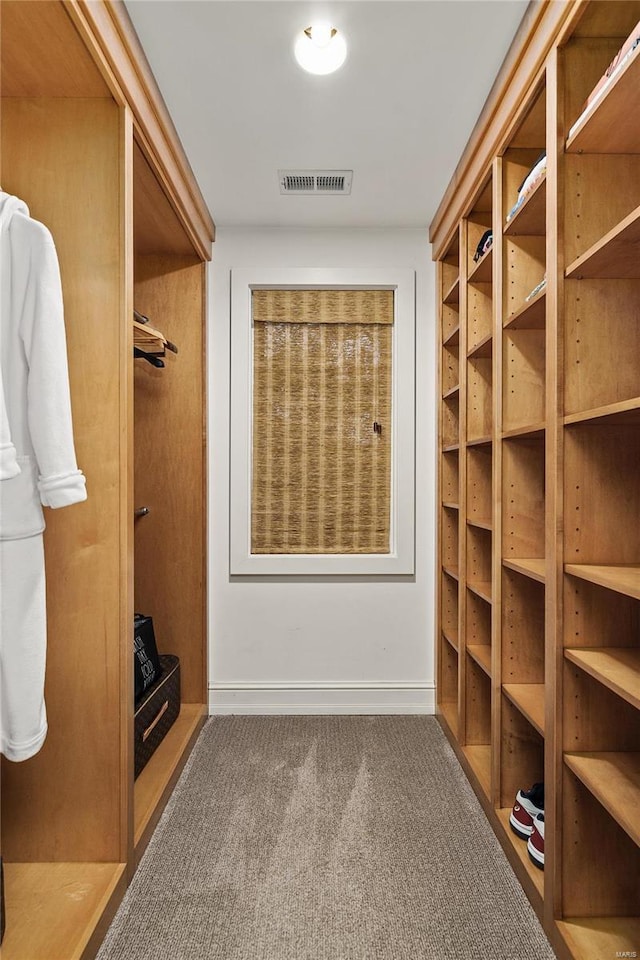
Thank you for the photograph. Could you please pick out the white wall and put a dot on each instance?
(328, 645)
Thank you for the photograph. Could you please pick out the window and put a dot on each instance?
(322, 422)
(321, 475)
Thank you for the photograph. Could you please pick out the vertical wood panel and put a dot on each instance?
(170, 546)
(54, 150)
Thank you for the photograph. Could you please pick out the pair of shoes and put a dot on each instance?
(527, 821)
(535, 843)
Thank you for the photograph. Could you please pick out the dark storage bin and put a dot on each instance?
(157, 712)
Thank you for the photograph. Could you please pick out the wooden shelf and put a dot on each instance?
(614, 780)
(451, 506)
(451, 638)
(449, 711)
(606, 127)
(453, 337)
(532, 567)
(54, 909)
(535, 875)
(450, 447)
(529, 699)
(479, 757)
(623, 579)
(625, 411)
(451, 392)
(533, 430)
(596, 938)
(481, 653)
(479, 441)
(159, 776)
(483, 270)
(451, 571)
(530, 220)
(453, 293)
(618, 668)
(481, 588)
(482, 349)
(531, 315)
(481, 522)
(614, 256)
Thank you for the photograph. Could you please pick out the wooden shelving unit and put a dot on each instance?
(548, 597)
(91, 150)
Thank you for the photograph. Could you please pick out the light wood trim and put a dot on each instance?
(614, 779)
(606, 128)
(452, 392)
(543, 24)
(532, 430)
(481, 653)
(613, 256)
(481, 588)
(449, 711)
(618, 668)
(530, 567)
(68, 899)
(535, 875)
(484, 348)
(482, 271)
(531, 315)
(452, 295)
(482, 524)
(530, 220)
(451, 638)
(597, 938)
(608, 410)
(623, 579)
(479, 757)
(529, 699)
(480, 441)
(154, 785)
(107, 31)
(453, 337)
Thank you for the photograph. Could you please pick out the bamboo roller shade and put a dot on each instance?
(321, 474)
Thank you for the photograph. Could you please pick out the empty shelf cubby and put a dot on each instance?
(479, 480)
(522, 629)
(523, 475)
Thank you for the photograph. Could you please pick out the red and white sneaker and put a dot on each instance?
(535, 843)
(529, 803)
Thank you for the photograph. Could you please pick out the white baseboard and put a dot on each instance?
(320, 698)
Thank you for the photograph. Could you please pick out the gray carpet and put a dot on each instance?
(324, 838)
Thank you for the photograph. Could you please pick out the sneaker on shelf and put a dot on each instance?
(535, 843)
(529, 803)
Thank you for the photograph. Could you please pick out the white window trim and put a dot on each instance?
(400, 560)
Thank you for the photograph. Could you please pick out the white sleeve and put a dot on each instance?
(60, 482)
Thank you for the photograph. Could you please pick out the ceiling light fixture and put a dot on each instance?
(320, 49)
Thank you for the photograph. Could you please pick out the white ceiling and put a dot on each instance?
(398, 113)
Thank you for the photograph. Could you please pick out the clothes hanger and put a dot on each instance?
(149, 357)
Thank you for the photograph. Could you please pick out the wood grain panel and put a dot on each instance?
(170, 469)
(522, 629)
(602, 495)
(68, 899)
(523, 498)
(43, 55)
(156, 226)
(54, 150)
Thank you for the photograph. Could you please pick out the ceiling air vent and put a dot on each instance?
(315, 183)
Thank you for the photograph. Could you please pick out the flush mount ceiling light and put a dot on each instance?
(320, 49)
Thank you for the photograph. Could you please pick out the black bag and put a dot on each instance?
(146, 662)
(156, 712)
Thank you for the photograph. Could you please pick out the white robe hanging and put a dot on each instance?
(34, 375)
(37, 464)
